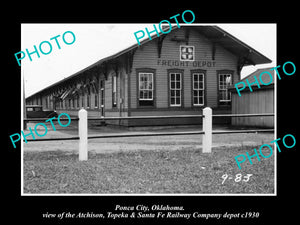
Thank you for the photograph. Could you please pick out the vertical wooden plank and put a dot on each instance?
(83, 134)
(207, 128)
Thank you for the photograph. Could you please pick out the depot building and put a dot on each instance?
(178, 73)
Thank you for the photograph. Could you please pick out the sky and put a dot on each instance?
(96, 41)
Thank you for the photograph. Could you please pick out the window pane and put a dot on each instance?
(141, 95)
(222, 78)
(198, 82)
(145, 86)
(175, 89)
(196, 86)
(195, 100)
(172, 85)
(198, 97)
(146, 93)
(222, 95)
(172, 93)
(225, 80)
(172, 77)
(201, 100)
(201, 86)
(172, 101)
(201, 93)
(195, 93)
(201, 77)
(96, 100)
(196, 77)
(228, 79)
(201, 81)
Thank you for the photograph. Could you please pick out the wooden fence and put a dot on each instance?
(207, 131)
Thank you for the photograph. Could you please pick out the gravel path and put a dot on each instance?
(156, 143)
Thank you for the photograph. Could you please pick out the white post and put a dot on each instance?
(83, 134)
(207, 128)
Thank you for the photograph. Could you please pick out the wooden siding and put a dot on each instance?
(258, 101)
(146, 56)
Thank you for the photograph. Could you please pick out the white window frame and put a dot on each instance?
(198, 89)
(221, 87)
(187, 46)
(175, 88)
(146, 89)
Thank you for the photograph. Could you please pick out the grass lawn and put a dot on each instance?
(186, 170)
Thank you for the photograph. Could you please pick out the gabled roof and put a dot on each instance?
(245, 53)
(215, 34)
(264, 78)
(234, 45)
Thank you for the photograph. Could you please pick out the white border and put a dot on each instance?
(88, 194)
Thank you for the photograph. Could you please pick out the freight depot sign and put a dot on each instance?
(204, 63)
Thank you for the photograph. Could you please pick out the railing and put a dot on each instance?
(206, 130)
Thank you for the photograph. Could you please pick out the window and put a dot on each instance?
(77, 101)
(175, 89)
(114, 91)
(71, 103)
(225, 80)
(88, 101)
(102, 93)
(187, 53)
(146, 89)
(96, 100)
(82, 101)
(198, 89)
(46, 100)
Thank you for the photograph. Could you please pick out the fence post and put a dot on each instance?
(207, 128)
(83, 133)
